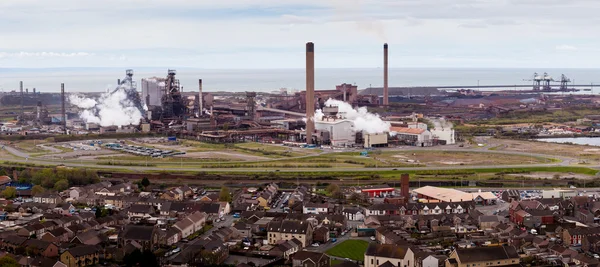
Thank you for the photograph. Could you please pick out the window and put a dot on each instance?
(371, 261)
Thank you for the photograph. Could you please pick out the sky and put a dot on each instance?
(271, 34)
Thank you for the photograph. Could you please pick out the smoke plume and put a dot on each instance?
(363, 120)
(114, 108)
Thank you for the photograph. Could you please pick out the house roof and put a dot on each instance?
(83, 250)
(40, 244)
(491, 218)
(289, 226)
(137, 232)
(183, 224)
(486, 254)
(405, 130)
(387, 251)
(346, 264)
(89, 238)
(309, 255)
(58, 231)
(15, 240)
(140, 208)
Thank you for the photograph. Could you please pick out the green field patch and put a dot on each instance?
(351, 249)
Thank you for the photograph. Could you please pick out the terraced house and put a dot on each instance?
(288, 230)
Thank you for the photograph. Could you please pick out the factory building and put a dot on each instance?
(335, 132)
(412, 136)
(152, 90)
(375, 140)
(444, 136)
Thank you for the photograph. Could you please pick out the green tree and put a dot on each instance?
(332, 188)
(9, 192)
(61, 185)
(145, 182)
(37, 189)
(224, 195)
(8, 261)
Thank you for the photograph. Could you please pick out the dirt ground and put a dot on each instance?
(587, 154)
(549, 175)
(448, 158)
(79, 154)
(222, 155)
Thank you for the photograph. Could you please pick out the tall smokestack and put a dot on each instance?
(200, 96)
(22, 118)
(310, 91)
(64, 113)
(385, 75)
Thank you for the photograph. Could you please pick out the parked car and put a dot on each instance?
(333, 240)
(372, 238)
(315, 244)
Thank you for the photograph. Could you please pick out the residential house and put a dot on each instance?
(140, 211)
(12, 242)
(87, 238)
(310, 259)
(36, 229)
(171, 236)
(483, 256)
(191, 224)
(289, 229)
(354, 213)
(585, 261)
(378, 255)
(286, 248)
(584, 216)
(58, 235)
(424, 259)
(146, 236)
(42, 248)
(488, 222)
(316, 208)
(321, 235)
(80, 256)
(511, 195)
(244, 229)
(212, 197)
(591, 243)
(77, 193)
(575, 236)
(47, 198)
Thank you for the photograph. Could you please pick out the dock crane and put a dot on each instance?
(537, 80)
(564, 81)
(547, 79)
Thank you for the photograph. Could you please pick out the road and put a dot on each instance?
(564, 161)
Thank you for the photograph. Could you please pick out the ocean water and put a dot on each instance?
(267, 80)
(592, 141)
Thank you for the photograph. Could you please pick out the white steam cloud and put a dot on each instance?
(363, 120)
(111, 109)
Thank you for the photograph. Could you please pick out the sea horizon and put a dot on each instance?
(99, 79)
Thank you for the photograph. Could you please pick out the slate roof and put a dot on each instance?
(486, 254)
(288, 226)
(137, 232)
(387, 251)
(83, 250)
(306, 255)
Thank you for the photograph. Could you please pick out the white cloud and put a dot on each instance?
(43, 54)
(566, 48)
(347, 33)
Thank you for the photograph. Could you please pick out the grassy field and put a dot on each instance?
(449, 158)
(351, 249)
(556, 116)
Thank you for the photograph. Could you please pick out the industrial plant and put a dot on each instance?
(344, 116)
